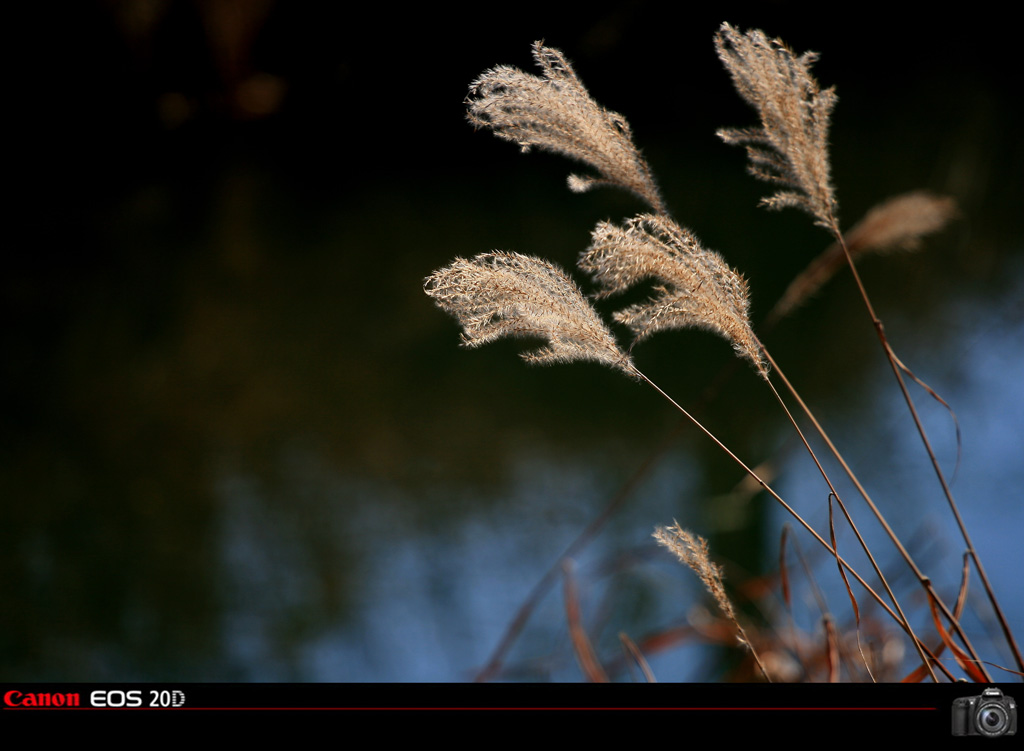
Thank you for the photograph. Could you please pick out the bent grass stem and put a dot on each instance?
(902, 623)
(894, 364)
(925, 582)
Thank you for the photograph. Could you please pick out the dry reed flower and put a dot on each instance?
(791, 147)
(899, 223)
(507, 294)
(557, 113)
(699, 289)
(692, 550)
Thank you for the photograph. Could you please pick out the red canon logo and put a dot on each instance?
(18, 699)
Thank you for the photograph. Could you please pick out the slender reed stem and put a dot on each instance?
(925, 582)
(785, 505)
(893, 362)
(878, 571)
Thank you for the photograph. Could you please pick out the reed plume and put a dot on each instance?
(899, 223)
(791, 147)
(556, 113)
(507, 294)
(698, 288)
(692, 550)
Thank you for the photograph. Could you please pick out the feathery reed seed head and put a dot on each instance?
(698, 288)
(692, 550)
(507, 294)
(791, 147)
(557, 113)
(898, 223)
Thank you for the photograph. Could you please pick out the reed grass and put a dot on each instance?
(502, 294)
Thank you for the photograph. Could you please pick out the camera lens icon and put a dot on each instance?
(992, 720)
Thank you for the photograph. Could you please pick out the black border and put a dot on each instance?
(859, 711)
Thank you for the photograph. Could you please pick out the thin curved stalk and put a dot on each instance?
(874, 564)
(925, 582)
(894, 364)
(776, 496)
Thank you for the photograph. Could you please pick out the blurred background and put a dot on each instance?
(239, 442)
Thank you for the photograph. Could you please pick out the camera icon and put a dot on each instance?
(992, 714)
